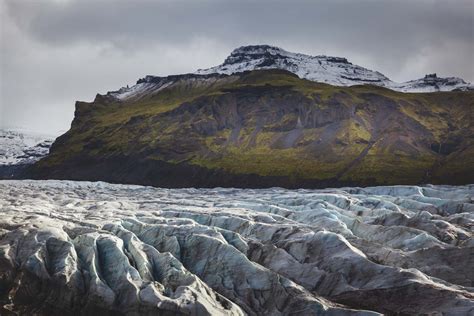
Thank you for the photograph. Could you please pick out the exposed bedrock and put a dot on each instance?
(264, 128)
(100, 249)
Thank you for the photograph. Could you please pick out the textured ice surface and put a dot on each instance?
(18, 147)
(95, 248)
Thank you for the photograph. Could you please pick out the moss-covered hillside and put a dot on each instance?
(267, 128)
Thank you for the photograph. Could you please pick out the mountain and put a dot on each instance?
(19, 149)
(265, 128)
(433, 83)
(332, 70)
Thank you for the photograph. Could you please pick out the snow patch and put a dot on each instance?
(327, 69)
(19, 147)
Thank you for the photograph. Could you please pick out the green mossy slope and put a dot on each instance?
(271, 124)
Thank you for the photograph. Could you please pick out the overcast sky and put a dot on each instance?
(54, 52)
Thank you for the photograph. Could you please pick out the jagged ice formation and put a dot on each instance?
(96, 248)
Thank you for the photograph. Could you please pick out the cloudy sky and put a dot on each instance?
(54, 52)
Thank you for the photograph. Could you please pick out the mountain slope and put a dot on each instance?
(332, 70)
(266, 128)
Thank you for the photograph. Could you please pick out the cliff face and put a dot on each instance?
(265, 128)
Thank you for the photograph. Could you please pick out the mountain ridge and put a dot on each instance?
(332, 70)
(327, 69)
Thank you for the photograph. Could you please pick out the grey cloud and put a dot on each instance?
(354, 22)
(95, 46)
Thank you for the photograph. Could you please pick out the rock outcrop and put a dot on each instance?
(95, 248)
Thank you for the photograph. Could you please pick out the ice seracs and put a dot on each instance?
(88, 248)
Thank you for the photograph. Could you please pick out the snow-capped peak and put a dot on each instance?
(270, 53)
(432, 83)
(328, 69)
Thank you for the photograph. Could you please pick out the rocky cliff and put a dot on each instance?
(265, 128)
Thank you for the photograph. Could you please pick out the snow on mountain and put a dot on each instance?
(19, 147)
(140, 88)
(336, 71)
(151, 85)
(332, 70)
(433, 83)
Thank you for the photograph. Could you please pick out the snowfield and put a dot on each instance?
(21, 147)
(95, 248)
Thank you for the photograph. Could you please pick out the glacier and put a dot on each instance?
(19, 149)
(89, 248)
(22, 147)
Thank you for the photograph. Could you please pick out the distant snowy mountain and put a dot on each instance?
(433, 83)
(332, 70)
(20, 148)
(336, 71)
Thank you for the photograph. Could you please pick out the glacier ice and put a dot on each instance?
(96, 248)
